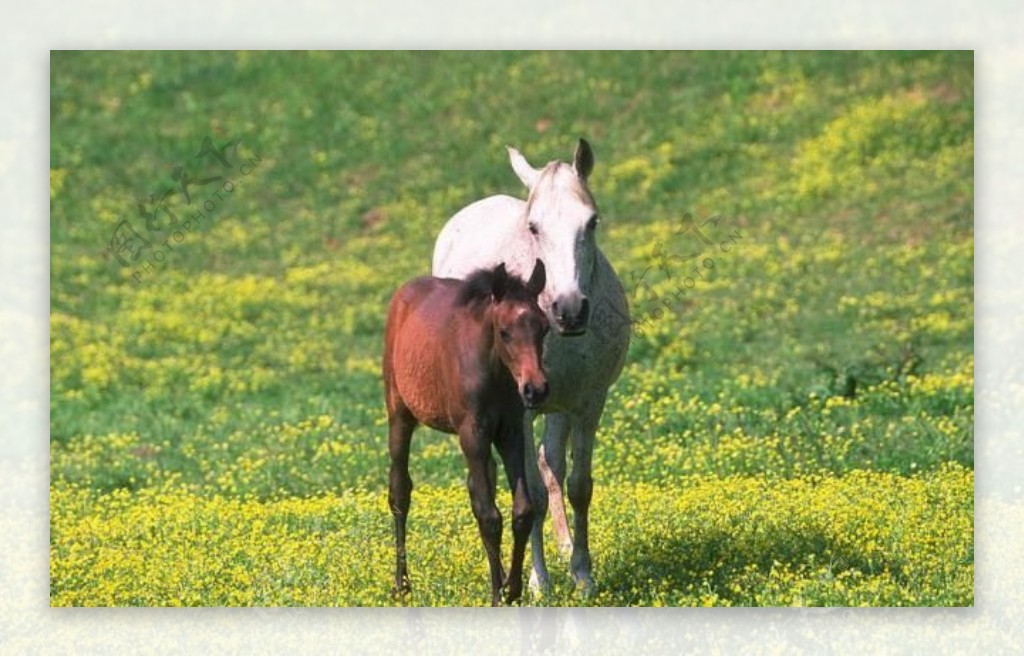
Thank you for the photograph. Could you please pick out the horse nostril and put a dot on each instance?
(528, 391)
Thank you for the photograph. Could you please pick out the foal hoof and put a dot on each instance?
(401, 590)
(513, 591)
(512, 596)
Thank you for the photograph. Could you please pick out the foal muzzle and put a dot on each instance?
(534, 396)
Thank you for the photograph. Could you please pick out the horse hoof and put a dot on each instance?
(539, 586)
(585, 585)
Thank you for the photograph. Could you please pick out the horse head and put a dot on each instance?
(561, 218)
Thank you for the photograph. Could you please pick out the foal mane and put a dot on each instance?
(477, 288)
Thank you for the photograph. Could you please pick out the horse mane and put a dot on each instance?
(477, 287)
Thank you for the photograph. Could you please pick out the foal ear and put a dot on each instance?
(499, 283)
(537, 279)
(583, 159)
(522, 168)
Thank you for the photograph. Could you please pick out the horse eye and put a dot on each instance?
(505, 335)
(533, 228)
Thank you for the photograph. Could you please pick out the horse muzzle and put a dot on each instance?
(571, 315)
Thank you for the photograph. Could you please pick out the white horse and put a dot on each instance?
(583, 356)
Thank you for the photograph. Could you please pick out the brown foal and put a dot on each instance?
(464, 357)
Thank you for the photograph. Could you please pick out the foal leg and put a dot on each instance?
(400, 426)
(512, 457)
(551, 463)
(488, 518)
(492, 473)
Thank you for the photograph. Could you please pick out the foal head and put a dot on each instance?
(517, 325)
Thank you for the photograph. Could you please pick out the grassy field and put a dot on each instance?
(794, 428)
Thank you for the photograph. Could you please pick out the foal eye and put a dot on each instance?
(533, 228)
(505, 335)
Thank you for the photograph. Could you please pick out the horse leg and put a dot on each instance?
(540, 582)
(488, 518)
(400, 427)
(512, 457)
(581, 487)
(551, 463)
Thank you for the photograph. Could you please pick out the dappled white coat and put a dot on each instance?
(558, 225)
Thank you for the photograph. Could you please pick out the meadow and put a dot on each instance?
(794, 423)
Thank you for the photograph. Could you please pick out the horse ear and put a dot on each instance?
(537, 279)
(499, 283)
(522, 168)
(583, 159)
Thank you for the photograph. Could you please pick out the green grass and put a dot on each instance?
(830, 340)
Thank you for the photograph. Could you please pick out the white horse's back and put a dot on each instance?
(485, 227)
